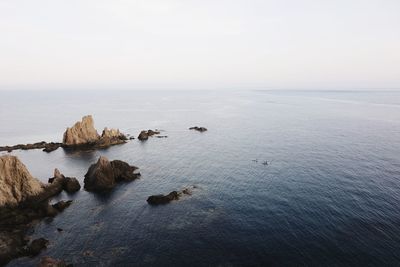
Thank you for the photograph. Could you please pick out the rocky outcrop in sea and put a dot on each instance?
(199, 129)
(83, 134)
(105, 174)
(144, 135)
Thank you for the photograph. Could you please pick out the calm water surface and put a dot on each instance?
(330, 195)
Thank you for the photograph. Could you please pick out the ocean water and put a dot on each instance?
(329, 196)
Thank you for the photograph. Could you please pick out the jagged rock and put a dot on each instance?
(164, 199)
(81, 135)
(50, 262)
(24, 201)
(16, 183)
(82, 132)
(144, 135)
(113, 133)
(69, 184)
(104, 174)
(199, 129)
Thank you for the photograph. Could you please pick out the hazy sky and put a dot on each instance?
(315, 44)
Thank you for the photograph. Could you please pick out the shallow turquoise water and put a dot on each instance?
(329, 195)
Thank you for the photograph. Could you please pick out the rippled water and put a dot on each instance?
(328, 197)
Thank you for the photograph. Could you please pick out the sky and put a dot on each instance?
(207, 44)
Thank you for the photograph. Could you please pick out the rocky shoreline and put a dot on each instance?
(24, 200)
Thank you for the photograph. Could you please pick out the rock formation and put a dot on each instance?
(16, 183)
(81, 135)
(69, 184)
(82, 132)
(199, 129)
(47, 147)
(23, 201)
(164, 199)
(144, 135)
(104, 174)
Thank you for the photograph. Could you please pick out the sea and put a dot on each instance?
(281, 178)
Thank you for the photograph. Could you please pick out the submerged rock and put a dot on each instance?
(144, 135)
(16, 183)
(199, 129)
(104, 174)
(164, 199)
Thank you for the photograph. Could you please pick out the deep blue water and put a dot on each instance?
(329, 196)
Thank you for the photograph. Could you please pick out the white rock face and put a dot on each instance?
(81, 133)
(16, 183)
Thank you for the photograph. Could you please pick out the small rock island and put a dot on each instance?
(199, 129)
(104, 174)
(83, 134)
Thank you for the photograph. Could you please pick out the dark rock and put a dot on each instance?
(36, 246)
(199, 129)
(62, 205)
(144, 135)
(51, 211)
(51, 147)
(48, 147)
(59, 230)
(163, 199)
(71, 185)
(104, 174)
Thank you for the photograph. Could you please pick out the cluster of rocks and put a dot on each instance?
(23, 201)
(69, 184)
(144, 135)
(199, 129)
(164, 199)
(83, 134)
